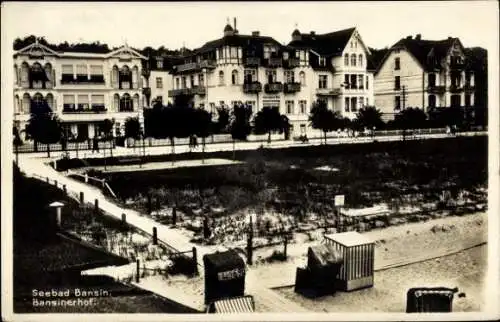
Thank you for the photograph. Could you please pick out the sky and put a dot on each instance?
(191, 24)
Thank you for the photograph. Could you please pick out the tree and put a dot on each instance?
(268, 120)
(44, 128)
(132, 128)
(107, 128)
(16, 141)
(411, 118)
(239, 124)
(203, 127)
(368, 117)
(321, 118)
(222, 119)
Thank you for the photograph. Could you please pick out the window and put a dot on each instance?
(81, 72)
(251, 104)
(267, 52)
(97, 101)
(302, 129)
(271, 76)
(360, 81)
(468, 77)
(250, 75)
(221, 78)
(212, 108)
(346, 104)
(354, 104)
(354, 82)
(159, 99)
(397, 82)
(346, 81)
(67, 74)
(366, 82)
(234, 77)
(83, 102)
(432, 80)
(234, 52)
(159, 63)
(177, 83)
(361, 100)
(68, 102)
(456, 100)
(397, 103)
(191, 81)
(303, 107)
(322, 61)
(353, 60)
(467, 100)
(323, 81)
(346, 59)
(289, 76)
(302, 78)
(285, 55)
(184, 82)
(201, 80)
(159, 82)
(96, 73)
(289, 107)
(397, 63)
(360, 60)
(432, 100)
(126, 103)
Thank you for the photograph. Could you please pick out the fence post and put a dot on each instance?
(155, 236)
(96, 206)
(81, 197)
(195, 260)
(64, 189)
(86, 178)
(137, 268)
(47, 179)
(55, 183)
(124, 219)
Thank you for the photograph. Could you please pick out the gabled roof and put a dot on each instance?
(330, 44)
(127, 51)
(423, 49)
(237, 40)
(37, 48)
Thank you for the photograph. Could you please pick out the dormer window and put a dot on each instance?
(322, 61)
(285, 55)
(159, 63)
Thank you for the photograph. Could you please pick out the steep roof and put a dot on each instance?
(237, 40)
(422, 49)
(330, 44)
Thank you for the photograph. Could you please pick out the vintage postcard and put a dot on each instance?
(250, 161)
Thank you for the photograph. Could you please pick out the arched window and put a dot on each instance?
(48, 73)
(360, 60)
(346, 59)
(50, 100)
(126, 103)
(16, 74)
(114, 76)
(17, 108)
(25, 69)
(135, 77)
(302, 78)
(136, 102)
(432, 100)
(234, 77)
(26, 103)
(221, 78)
(116, 102)
(353, 60)
(37, 103)
(125, 77)
(38, 75)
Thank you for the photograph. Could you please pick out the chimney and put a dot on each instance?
(255, 33)
(418, 37)
(313, 33)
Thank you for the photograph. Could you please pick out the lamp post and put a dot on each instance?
(57, 205)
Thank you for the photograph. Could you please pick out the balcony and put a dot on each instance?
(292, 63)
(197, 90)
(82, 79)
(273, 88)
(191, 67)
(274, 62)
(292, 87)
(252, 88)
(328, 91)
(186, 67)
(436, 89)
(71, 109)
(209, 64)
(457, 65)
(456, 88)
(251, 62)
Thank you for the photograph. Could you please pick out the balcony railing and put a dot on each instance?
(275, 62)
(82, 79)
(210, 64)
(437, 89)
(292, 87)
(273, 87)
(254, 87)
(251, 62)
(125, 108)
(95, 108)
(456, 88)
(197, 90)
(292, 63)
(328, 91)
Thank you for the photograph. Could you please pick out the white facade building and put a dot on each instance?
(261, 72)
(424, 74)
(82, 89)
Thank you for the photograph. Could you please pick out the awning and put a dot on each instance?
(244, 304)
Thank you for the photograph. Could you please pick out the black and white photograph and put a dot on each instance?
(250, 160)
